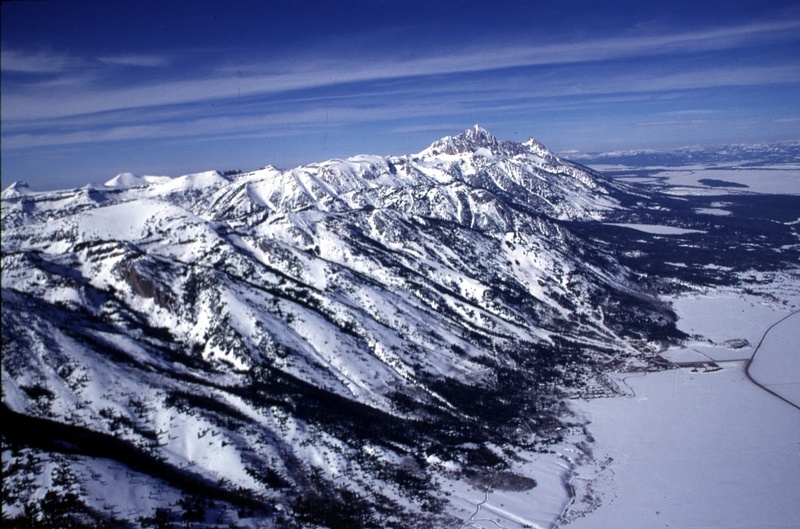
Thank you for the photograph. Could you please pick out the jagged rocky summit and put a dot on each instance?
(317, 347)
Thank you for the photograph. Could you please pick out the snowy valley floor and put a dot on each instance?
(701, 446)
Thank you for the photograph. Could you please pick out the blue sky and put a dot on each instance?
(91, 89)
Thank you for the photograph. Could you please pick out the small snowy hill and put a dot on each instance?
(16, 189)
(131, 180)
(315, 347)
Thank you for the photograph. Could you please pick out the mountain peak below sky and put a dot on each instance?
(16, 189)
(479, 136)
(470, 140)
(477, 139)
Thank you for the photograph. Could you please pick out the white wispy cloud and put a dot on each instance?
(147, 61)
(86, 109)
(272, 124)
(40, 62)
(45, 104)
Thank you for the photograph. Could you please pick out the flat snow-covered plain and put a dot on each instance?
(696, 447)
(685, 180)
(727, 323)
(693, 449)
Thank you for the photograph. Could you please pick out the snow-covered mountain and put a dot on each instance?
(17, 189)
(316, 347)
(131, 180)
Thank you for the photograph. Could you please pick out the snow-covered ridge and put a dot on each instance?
(167, 183)
(453, 179)
(15, 190)
(131, 180)
(395, 320)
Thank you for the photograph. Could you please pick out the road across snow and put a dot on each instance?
(776, 362)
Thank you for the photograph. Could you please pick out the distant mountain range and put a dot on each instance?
(325, 346)
(752, 154)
